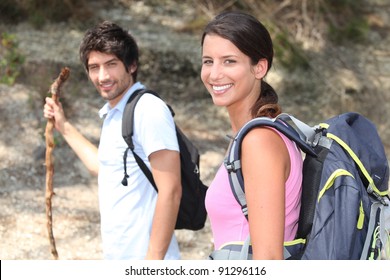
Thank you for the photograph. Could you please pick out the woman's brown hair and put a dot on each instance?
(252, 38)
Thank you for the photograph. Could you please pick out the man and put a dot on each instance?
(136, 223)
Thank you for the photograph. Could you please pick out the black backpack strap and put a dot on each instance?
(127, 133)
(233, 159)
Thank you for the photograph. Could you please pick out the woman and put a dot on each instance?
(237, 53)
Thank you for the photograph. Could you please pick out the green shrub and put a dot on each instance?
(40, 12)
(11, 60)
(289, 53)
(347, 21)
(354, 31)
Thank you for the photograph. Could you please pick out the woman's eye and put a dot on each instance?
(229, 61)
(207, 62)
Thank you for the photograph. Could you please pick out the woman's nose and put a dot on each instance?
(216, 72)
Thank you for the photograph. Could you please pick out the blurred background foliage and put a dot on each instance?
(295, 25)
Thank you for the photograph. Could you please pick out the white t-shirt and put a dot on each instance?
(127, 212)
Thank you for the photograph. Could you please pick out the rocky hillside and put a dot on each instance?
(339, 79)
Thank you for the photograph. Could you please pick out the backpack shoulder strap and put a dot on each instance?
(302, 136)
(128, 131)
(128, 114)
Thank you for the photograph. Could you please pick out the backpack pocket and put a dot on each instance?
(340, 219)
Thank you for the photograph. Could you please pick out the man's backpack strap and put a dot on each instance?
(232, 162)
(192, 211)
(128, 131)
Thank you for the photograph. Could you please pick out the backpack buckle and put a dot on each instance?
(232, 166)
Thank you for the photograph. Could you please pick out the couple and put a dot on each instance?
(136, 223)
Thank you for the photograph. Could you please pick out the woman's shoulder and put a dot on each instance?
(263, 135)
(265, 142)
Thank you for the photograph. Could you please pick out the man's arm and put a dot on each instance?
(166, 173)
(84, 149)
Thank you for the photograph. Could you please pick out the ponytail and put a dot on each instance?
(267, 104)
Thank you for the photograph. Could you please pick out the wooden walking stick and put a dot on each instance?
(55, 92)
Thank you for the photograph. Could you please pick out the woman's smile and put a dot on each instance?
(221, 88)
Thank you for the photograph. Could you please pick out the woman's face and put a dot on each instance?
(228, 74)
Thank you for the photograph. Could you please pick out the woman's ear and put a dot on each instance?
(261, 68)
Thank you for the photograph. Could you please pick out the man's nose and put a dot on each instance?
(103, 74)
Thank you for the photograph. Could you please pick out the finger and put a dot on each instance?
(48, 111)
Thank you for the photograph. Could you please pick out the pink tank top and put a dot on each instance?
(228, 223)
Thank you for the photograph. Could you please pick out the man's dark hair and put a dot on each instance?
(108, 37)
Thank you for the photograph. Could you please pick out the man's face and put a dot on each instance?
(109, 76)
